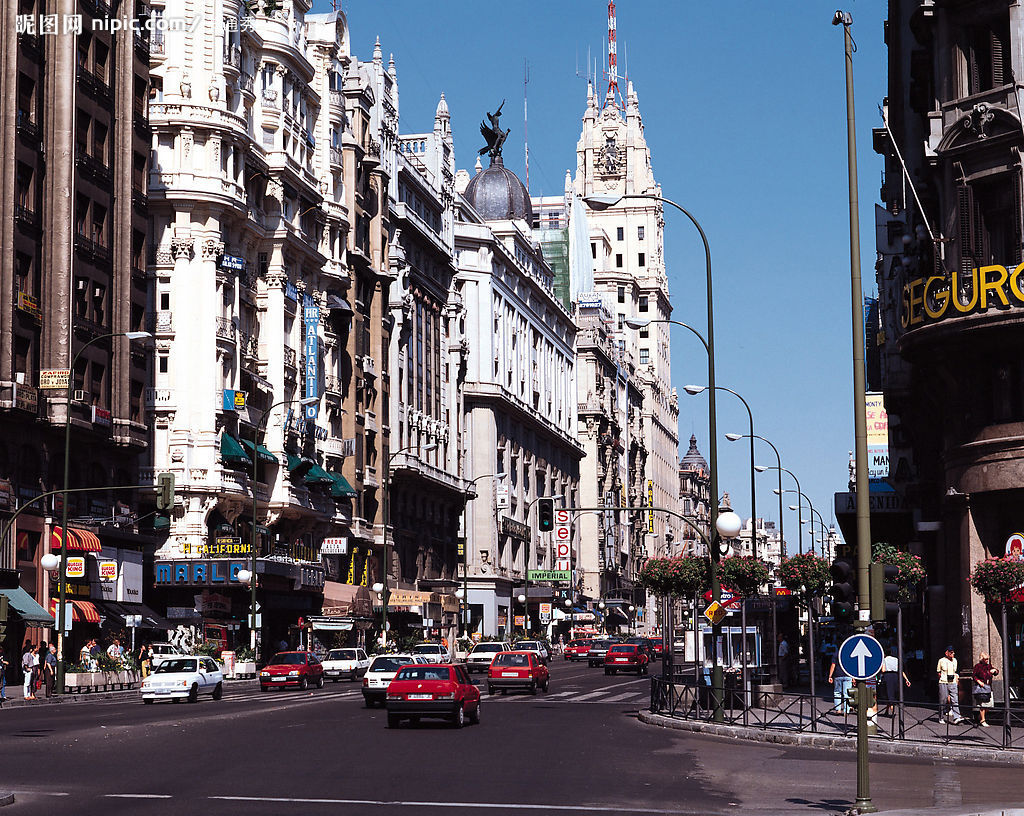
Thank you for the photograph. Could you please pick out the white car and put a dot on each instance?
(482, 655)
(350, 663)
(184, 678)
(380, 674)
(535, 646)
(433, 652)
(165, 651)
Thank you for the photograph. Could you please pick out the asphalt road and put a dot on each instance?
(576, 749)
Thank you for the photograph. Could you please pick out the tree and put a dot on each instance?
(744, 574)
(805, 571)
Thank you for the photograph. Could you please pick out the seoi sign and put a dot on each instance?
(562, 535)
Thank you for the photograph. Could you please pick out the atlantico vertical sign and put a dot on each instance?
(650, 504)
(311, 316)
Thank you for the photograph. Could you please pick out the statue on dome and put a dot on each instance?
(493, 133)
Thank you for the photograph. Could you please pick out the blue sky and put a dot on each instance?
(744, 110)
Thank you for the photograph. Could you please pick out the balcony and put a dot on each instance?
(245, 83)
(233, 57)
(157, 46)
(336, 158)
(332, 385)
(336, 100)
(154, 398)
(29, 44)
(370, 422)
(28, 218)
(369, 366)
(93, 168)
(93, 250)
(161, 323)
(142, 47)
(27, 127)
(94, 86)
(226, 329)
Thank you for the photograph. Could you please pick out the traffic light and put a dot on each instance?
(843, 591)
(545, 515)
(165, 491)
(884, 591)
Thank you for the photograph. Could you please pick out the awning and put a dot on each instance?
(341, 489)
(81, 540)
(150, 619)
(82, 610)
(346, 600)
(330, 624)
(317, 475)
(411, 597)
(262, 453)
(233, 453)
(26, 607)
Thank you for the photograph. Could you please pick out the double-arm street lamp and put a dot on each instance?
(599, 202)
(249, 576)
(62, 575)
(381, 587)
(778, 490)
(732, 437)
(464, 598)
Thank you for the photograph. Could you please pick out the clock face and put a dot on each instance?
(609, 156)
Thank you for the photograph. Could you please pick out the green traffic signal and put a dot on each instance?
(843, 591)
(883, 590)
(545, 515)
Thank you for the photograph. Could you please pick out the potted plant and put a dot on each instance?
(911, 572)
(805, 572)
(245, 662)
(744, 574)
(998, 579)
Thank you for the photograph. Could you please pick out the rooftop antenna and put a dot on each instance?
(526, 132)
(587, 76)
(613, 66)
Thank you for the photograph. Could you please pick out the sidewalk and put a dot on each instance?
(16, 699)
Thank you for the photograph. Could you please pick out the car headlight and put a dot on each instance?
(293, 673)
(264, 674)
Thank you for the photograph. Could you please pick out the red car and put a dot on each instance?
(577, 650)
(626, 657)
(433, 690)
(301, 669)
(517, 670)
(657, 646)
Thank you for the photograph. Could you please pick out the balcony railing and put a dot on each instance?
(161, 323)
(233, 56)
(336, 156)
(94, 85)
(225, 329)
(27, 217)
(156, 46)
(245, 82)
(92, 249)
(94, 168)
(336, 99)
(332, 384)
(289, 357)
(27, 126)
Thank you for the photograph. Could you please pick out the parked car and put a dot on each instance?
(433, 652)
(299, 669)
(626, 657)
(381, 672)
(350, 663)
(518, 669)
(433, 690)
(577, 649)
(643, 642)
(183, 678)
(165, 651)
(598, 649)
(538, 647)
(480, 658)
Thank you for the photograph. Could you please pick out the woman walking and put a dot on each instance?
(982, 690)
(30, 665)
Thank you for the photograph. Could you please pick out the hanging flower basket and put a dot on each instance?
(911, 572)
(806, 571)
(682, 577)
(999, 579)
(745, 574)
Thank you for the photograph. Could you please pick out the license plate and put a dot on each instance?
(622, 660)
(509, 674)
(278, 679)
(162, 691)
(419, 696)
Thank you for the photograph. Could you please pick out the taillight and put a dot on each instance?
(444, 696)
(366, 680)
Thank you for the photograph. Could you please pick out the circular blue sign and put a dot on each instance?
(861, 657)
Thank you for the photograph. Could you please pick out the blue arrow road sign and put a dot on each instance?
(861, 656)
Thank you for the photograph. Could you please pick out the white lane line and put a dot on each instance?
(457, 805)
(137, 796)
(618, 698)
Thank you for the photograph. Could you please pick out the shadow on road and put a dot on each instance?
(830, 805)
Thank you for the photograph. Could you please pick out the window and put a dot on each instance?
(618, 260)
(622, 294)
(641, 259)
(99, 224)
(99, 141)
(645, 331)
(989, 229)
(622, 321)
(640, 233)
(620, 233)
(593, 250)
(25, 188)
(643, 303)
(165, 301)
(162, 363)
(645, 356)
(985, 48)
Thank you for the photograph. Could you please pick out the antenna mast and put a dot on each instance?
(613, 70)
(526, 132)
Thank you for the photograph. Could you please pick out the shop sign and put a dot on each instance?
(514, 529)
(937, 298)
(75, 567)
(180, 612)
(449, 603)
(545, 613)
(72, 590)
(26, 398)
(549, 575)
(1015, 546)
(520, 621)
(199, 572)
(6, 494)
(334, 546)
(227, 547)
(107, 570)
(101, 417)
(233, 400)
(211, 602)
(291, 292)
(311, 577)
(305, 427)
(589, 300)
(29, 304)
(408, 597)
(311, 316)
(55, 378)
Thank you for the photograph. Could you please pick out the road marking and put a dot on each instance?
(618, 698)
(457, 805)
(946, 791)
(137, 796)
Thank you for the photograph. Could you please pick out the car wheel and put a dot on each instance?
(351, 677)
(607, 671)
(264, 688)
(393, 720)
(148, 702)
(320, 681)
(218, 691)
(368, 702)
(490, 690)
(193, 694)
(547, 683)
(459, 718)
(303, 684)
(532, 688)
(475, 716)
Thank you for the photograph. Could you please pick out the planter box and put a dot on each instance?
(82, 681)
(245, 668)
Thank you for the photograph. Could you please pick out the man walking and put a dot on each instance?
(50, 669)
(949, 688)
(841, 683)
(784, 673)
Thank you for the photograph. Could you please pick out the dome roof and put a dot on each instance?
(498, 194)
(693, 459)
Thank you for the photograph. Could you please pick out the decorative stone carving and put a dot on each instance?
(182, 248)
(164, 256)
(212, 248)
(979, 119)
(185, 86)
(277, 279)
(214, 93)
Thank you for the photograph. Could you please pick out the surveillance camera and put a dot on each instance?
(841, 18)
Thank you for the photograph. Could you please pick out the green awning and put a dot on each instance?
(341, 489)
(316, 475)
(310, 472)
(232, 453)
(299, 465)
(26, 607)
(263, 454)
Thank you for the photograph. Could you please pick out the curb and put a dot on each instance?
(991, 756)
(84, 697)
(6, 798)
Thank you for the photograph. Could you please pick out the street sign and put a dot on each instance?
(715, 613)
(54, 378)
(861, 656)
(563, 541)
(132, 621)
(549, 575)
(545, 613)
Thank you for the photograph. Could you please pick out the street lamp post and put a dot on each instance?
(387, 524)
(762, 469)
(249, 576)
(62, 575)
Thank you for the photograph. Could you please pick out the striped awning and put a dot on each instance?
(81, 540)
(81, 610)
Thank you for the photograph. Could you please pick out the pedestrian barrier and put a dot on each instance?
(802, 713)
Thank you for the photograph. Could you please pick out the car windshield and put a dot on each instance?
(579, 643)
(342, 654)
(623, 648)
(487, 647)
(529, 644)
(288, 659)
(423, 673)
(177, 666)
(388, 664)
(512, 659)
(427, 648)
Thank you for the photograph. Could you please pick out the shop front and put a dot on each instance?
(345, 618)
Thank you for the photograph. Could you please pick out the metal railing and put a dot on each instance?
(802, 713)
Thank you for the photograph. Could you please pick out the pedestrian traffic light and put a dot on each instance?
(545, 515)
(843, 591)
(884, 591)
(165, 491)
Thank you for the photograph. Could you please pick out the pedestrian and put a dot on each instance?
(982, 688)
(26, 668)
(145, 659)
(841, 683)
(114, 651)
(50, 669)
(84, 656)
(4, 663)
(784, 672)
(890, 681)
(949, 688)
(94, 654)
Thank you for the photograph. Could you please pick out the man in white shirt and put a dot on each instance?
(949, 688)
